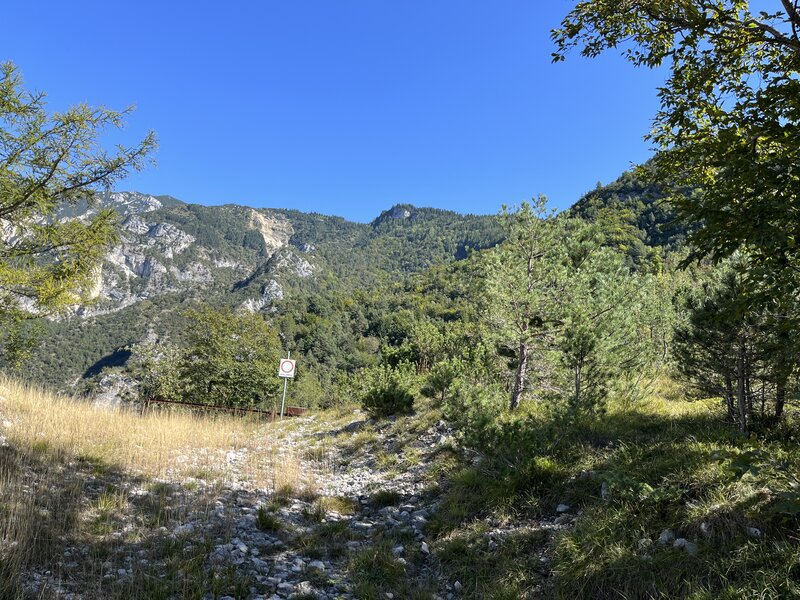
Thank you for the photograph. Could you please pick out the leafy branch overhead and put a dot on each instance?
(47, 161)
(728, 122)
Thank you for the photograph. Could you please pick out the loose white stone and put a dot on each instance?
(666, 536)
(683, 543)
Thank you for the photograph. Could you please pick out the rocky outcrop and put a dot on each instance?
(112, 389)
(127, 203)
(168, 239)
(270, 293)
(276, 231)
(156, 255)
(289, 262)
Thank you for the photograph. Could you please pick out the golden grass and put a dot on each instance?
(161, 445)
(62, 427)
(59, 452)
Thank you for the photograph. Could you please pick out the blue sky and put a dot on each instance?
(344, 107)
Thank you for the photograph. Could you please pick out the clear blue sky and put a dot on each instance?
(344, 107)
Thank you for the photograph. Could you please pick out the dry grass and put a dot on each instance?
(68, 470)
(160, 445)
(63, 427)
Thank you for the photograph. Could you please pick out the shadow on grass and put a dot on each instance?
(629, 476)
(80, 525)
(529, 466)
(506, 567)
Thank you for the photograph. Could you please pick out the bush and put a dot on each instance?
(475, 411)
(388, 390)
(384, 498)
(266, 521)
(230, 360)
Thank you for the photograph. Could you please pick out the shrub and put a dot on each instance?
(383, 498)
(266, 521)
(388, 391)
(475, 410)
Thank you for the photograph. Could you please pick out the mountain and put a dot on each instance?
(172, 255)
(635, 215)
(325, 281)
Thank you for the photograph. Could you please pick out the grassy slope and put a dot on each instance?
(658, 463)
(68, 475)
(67, 471)
(84, 489)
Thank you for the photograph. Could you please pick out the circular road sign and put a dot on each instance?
(286, 368)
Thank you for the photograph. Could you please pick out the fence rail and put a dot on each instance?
(290, 411)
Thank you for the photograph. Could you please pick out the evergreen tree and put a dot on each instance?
(524, 285)
(596, 338)
(737, 348)
(565, 307)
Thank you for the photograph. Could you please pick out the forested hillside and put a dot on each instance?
(335, 287)
(306, 269)
(636, 214)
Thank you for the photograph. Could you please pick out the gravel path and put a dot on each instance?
(236, 540)
(361, 497)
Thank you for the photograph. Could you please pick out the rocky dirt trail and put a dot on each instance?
(343, 515)
(351, 508)
(346, 508)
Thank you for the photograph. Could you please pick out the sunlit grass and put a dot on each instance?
(97, 478)
(628, 474)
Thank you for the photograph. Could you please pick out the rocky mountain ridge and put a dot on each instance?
(155, 256)
(171, 255)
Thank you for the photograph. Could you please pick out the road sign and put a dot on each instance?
(286, 368)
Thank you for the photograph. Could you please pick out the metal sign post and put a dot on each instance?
(283, 400)
(286, 370)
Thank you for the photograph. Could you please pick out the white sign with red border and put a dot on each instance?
(286, 368)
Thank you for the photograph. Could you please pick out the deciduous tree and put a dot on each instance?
(728, 128)
(232, 359)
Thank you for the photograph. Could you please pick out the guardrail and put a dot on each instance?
(290, 411)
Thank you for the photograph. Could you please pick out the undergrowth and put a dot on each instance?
(661, 464)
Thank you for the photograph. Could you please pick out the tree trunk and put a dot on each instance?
(748, 388)
(729, 397)
(521, 375)
(741, 395)
(780, 398)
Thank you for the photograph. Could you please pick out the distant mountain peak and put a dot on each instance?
(401, 211)
(398, 212)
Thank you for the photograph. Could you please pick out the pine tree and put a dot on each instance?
(524, 282)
